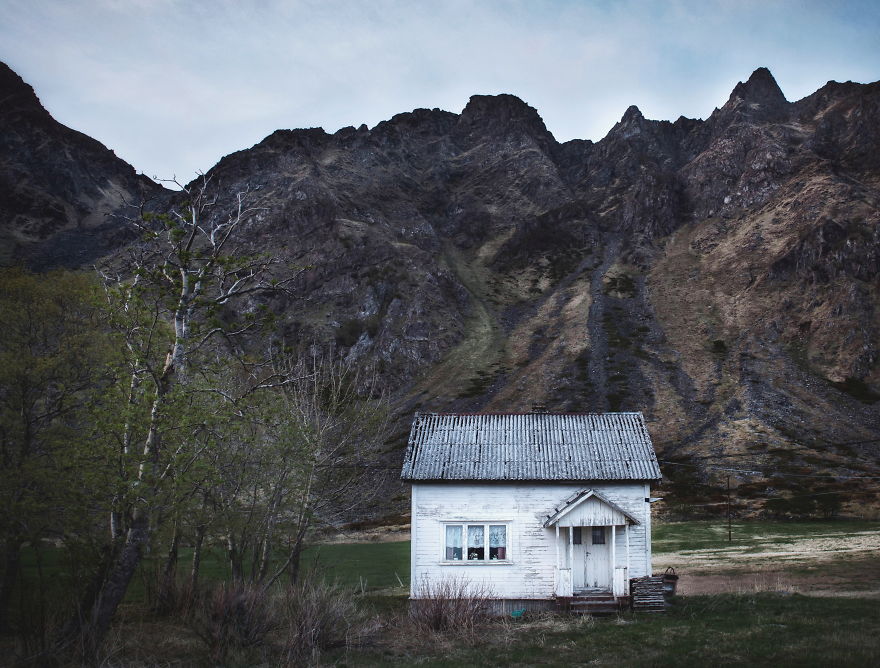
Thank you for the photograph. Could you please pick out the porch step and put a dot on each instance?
(597, 604)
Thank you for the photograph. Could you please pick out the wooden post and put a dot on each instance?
(558, 566)
(729, 530)
(571, 549)
(613, 555)
(626, 579)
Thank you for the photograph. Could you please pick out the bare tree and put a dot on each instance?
(333, 415)
(298, 459)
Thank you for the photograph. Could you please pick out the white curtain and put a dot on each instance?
(476, 542)
(497, 541)
(453, 543)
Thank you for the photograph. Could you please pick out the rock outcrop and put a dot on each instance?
(58, 187)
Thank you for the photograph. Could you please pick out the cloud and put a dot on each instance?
(173, 85)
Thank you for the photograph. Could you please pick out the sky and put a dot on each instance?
(174, 85)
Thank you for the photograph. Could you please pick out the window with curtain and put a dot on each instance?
(497, 541)
(453, 543)
(476, 542)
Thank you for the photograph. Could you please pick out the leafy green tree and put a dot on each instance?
(55, 356)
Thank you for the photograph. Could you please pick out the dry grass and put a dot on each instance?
(451, 605)
(822, 559)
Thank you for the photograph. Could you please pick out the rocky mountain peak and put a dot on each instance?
(632, 114)
(18, 97)
(631, 124)
(59, 214)
(720, 276)
(503, 112)
(419, 121)
(760, 88)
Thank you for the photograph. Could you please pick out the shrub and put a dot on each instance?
(171, 596)
(449, 605)
(317, 617)
(233, 617)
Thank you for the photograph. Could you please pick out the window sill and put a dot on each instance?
(461, 562)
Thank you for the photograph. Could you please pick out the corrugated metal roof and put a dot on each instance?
(532, 446)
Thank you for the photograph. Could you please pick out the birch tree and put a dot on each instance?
(185, 279)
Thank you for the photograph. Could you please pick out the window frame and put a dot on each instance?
(486, 560)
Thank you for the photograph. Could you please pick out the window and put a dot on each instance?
(598, 535)
(453, 543)
(476, 542)
(576, 535)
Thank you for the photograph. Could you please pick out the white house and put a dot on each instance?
(534, 507)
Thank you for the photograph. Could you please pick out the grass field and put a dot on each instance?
(724, 630)
(363, 565)
(754, 616)
(779, 593)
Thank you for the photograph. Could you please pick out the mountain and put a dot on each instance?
(57, 186)
(720, 275)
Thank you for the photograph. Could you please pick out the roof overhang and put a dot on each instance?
(578, 499)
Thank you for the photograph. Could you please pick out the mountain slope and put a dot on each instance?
(718, 275)
(57, 186)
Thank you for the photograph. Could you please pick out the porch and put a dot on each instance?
(592, 548)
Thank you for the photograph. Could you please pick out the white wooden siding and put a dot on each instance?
(530, 570)
(592, 513)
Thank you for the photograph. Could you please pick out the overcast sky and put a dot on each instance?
(173, 85)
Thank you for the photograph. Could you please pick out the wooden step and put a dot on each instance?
(604, 604)
(595, 609)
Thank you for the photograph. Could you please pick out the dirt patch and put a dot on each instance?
(823, 565)
(825, 584)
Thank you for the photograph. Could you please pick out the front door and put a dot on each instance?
(591, 556)
(597, 571)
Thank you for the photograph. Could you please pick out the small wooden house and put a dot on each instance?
(532, 507)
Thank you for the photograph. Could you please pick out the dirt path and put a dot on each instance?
(821, 565)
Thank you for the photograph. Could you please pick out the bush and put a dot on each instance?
(317, 617)
(233, 617)
(171, 596)
(449, 605)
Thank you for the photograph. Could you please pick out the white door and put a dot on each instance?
(597, 567)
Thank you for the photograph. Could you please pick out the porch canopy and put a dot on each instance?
(588, 508)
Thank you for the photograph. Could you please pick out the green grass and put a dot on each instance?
(723, 630)
(373, 565)
(367, 566)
